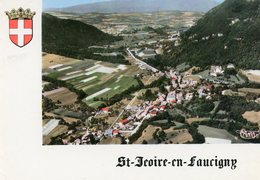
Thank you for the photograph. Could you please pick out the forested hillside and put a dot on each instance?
(229, 33)
(72, 38)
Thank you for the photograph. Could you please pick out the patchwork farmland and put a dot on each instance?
(98, 80)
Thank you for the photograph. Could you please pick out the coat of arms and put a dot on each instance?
(20, 26)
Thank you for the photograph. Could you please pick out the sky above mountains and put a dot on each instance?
(66, 3)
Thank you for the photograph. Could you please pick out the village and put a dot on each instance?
(135, 102)
(183, 88)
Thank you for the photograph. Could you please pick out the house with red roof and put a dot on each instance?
(124, 121)
(105, 110)
(162, 108)
(153, 113)
(115, 132)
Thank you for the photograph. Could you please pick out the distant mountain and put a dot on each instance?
(69, 37)
(229, 33)
(121, 6)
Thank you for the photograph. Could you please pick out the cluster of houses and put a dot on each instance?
(138, 113)
(151, 108)
(174, 36)
(216, 74)
(179, 90)
(90, 135)
(182, 88)
(205, 91)
(212, 36)
(219, 70)
(146, 53)
(205, 38)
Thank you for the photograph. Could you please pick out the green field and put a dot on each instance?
(118, 82)
(77, 82)
(116, 88)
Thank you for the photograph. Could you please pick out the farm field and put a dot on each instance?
(63, 95)
(49, 60)
(66, 119)
(210, 132)
(250, 90)
(110, 141)
(57, 131)
(180, 136)
(99, 80)
(147, 135)
(191, 120)
(252, 75)
(252, 116)
(112, 87)
(172, 136)
(229, 92)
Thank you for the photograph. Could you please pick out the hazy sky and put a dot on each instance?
(65, 3)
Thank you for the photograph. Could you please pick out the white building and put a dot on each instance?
(231, 66)
(171, 98)
(257, 100)
(216, 71)
(147, 53)
(220, 34)
(159, 51)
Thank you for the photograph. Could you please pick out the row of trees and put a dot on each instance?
(148, 95)
(160, 83)
(49, 87)
(48, 105)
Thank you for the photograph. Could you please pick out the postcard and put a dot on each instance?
(111, 89)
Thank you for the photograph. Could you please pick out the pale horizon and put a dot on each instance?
(47, 4)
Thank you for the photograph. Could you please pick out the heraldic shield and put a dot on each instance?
(20, 26)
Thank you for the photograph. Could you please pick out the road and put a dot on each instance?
(137, 94)
(127, 106)
(141, 63)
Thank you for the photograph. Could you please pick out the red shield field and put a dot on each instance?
(21, 31)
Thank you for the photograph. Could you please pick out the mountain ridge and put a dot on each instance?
(128, 6)
(229, 33)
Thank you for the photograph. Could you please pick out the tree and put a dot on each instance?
(144, 142)
(48, 105)
(230, 71)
